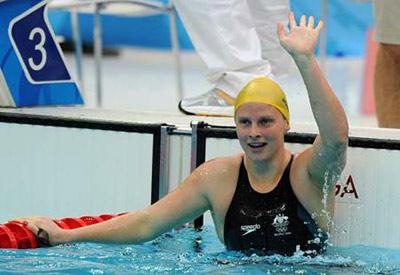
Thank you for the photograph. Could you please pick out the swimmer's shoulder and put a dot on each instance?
(221, 163)
(221, 185)
(221, 168)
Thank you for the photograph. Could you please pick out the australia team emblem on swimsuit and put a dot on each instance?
(281, 223)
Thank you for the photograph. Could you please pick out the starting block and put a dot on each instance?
(32, 67)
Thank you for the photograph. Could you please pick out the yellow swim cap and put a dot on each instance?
(264, 90)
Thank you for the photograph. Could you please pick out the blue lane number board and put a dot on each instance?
(35, 47)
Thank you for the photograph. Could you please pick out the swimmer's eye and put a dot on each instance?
(244, 122)
(266, 121)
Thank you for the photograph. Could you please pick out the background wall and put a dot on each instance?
(69, 172)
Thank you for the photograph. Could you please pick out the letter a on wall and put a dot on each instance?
(32, 67)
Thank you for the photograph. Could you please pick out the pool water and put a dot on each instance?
(188, 251)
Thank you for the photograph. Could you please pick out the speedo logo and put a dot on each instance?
(249, 228)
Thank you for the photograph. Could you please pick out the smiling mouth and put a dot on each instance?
(257, 144)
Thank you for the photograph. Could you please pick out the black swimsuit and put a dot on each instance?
(269, 223)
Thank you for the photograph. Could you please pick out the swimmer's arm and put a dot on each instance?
(178, 207)
(330, 146)
(327, 110)
(327, 157)
(184, 204)
(300, 43)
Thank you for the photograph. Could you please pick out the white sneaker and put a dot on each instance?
(213, 103)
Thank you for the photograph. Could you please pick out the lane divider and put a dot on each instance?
(16, 235)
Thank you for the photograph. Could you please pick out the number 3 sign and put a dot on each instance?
(32, 67)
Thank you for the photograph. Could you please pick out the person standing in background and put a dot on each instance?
(237, 41)
(387, 68)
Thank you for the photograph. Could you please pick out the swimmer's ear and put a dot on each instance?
(287, 127)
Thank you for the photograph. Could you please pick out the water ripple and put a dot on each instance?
(188, 251)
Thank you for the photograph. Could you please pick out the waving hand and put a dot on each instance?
(302, 38)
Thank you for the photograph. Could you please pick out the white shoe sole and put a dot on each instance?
(226, 111)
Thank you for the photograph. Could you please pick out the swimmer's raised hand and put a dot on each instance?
(302, 38)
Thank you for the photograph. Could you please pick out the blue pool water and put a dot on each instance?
(187, 251)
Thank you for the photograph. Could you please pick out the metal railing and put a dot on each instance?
(98, 6)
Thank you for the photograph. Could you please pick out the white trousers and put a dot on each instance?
(236, 39)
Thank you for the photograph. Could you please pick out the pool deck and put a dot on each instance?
(139, 87)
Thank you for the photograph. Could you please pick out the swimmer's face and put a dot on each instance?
(260, 129)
